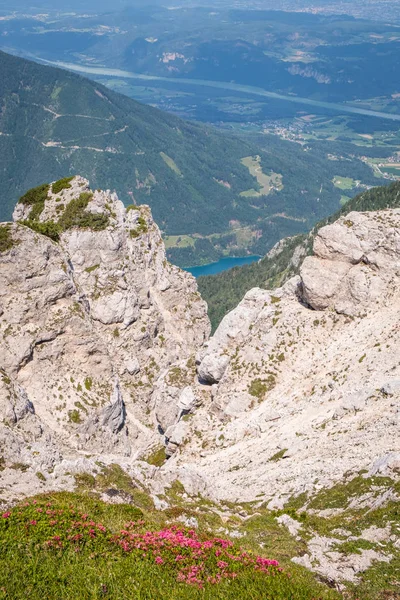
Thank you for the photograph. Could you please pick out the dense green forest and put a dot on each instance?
(224, 291)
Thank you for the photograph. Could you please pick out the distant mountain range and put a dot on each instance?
(325, 57)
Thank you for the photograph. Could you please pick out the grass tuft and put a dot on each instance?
(6, 240)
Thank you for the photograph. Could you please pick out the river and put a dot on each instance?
(236, 87)
(222, 265)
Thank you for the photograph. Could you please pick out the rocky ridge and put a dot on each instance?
(87, 326)
(100, 337)
(304, 381)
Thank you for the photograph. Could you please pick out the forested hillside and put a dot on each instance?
(54, 123)
(223, 292)
(212, 193)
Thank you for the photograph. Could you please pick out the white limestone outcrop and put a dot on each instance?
(87, 325)
(303, 382)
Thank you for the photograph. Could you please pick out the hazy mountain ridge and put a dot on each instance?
(332, 57)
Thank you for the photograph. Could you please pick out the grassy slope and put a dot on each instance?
(96, 566)
(223, 292)
(43, 558)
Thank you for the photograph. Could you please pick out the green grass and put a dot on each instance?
(157, 458)
(179, 241)
(392, 170)
(69, 547)
(344, 183)
(340, 495)
(266, 182)
(382, 580)
(6, 239)
(98, 566)
(171, 163)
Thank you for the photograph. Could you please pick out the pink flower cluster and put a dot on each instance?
(185, 554)
(195, 561)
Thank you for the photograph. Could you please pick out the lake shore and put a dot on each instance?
(224, 264)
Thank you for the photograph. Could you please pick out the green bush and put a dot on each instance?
(141, 228)
(61, 184)
(36, 198)
(157, 458)
(259, 387)
(48, 228)
(75, 417)
(278, 456)
(35, 195)
(75, 215)
(6, 239)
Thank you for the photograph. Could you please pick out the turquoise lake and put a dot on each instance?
(222, 265)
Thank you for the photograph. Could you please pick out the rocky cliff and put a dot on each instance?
(105, 355)
(88, 324)
(107, 368)
(304, 381)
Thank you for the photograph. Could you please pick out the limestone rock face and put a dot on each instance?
(356, 263)
(105, 354)
(301, 385)
(87, 325)
(213, 359)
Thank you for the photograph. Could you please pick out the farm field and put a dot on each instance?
(344, 183)
(267, 182)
